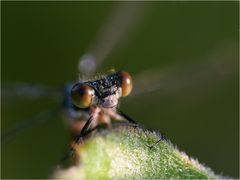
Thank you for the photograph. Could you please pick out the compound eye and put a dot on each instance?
(82, 95)
(126, 82)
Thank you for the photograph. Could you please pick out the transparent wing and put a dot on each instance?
(27, 91)
(221, 64)
(123, 17)
(27, 124)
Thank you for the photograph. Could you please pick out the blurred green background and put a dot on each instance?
(42, 42)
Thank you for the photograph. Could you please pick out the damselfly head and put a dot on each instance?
(104, 92)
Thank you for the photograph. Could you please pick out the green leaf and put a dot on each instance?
(123, 153)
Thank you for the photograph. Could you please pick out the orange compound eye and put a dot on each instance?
(82, 95)
(126, 83)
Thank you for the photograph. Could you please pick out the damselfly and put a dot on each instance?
(212, 68)
(106, 40)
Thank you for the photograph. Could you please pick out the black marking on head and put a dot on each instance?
(106, 86)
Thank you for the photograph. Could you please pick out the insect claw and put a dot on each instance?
(154, 144)
(149, 146)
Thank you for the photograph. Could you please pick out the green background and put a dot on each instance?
(42, 42)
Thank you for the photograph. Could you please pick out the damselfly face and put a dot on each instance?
(104, 92)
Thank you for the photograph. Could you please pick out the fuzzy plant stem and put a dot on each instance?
(123, 153)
